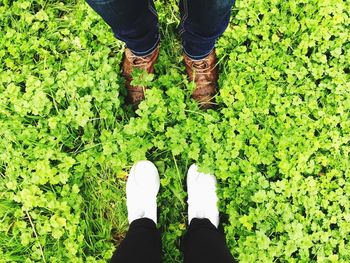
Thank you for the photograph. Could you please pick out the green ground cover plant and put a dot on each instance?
(278, 143)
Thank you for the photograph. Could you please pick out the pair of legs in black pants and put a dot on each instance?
(203, 243)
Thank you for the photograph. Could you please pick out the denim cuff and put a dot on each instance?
(148, 51)
(198, 57)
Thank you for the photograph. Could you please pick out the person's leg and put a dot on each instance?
(203, 242)
(142, 242)
(134, 22)
(203, 22)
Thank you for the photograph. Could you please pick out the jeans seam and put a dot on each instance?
(103, 2)
(150, 7)
(184, 17)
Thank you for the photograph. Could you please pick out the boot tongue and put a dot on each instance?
(200, 64)
(140, 61)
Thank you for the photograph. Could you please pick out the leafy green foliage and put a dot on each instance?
(279, 142)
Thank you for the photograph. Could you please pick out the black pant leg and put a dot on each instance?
(204, 243)
(142, 243)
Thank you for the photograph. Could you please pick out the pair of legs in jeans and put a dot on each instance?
(202, 243)
(136, 23)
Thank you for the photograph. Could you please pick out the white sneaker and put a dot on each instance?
(141, 191)
(202, 198)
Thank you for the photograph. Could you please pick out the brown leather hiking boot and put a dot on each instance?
(136, 93)
(205, 75)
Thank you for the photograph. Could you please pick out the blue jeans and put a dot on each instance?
(136, 23)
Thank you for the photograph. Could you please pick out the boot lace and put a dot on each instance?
(201, 66)
(139, 61)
